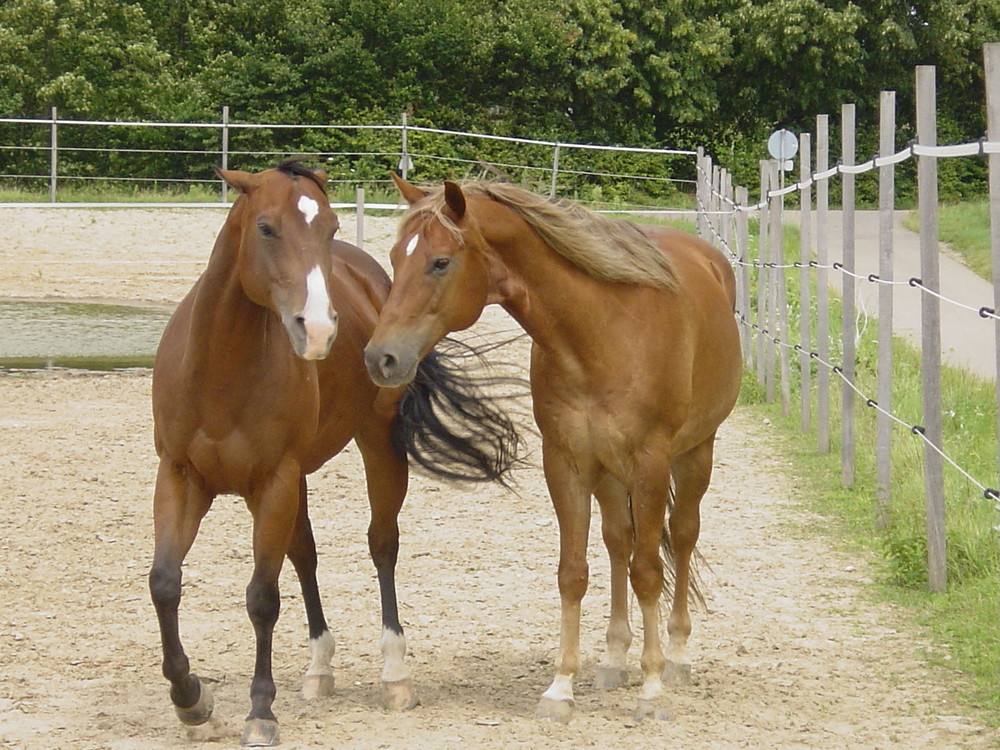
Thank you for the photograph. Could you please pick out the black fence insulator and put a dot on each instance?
(838, 370)
(871, 402)
(986, 312)
(813, 264)
(991, 494)
(918, 430)
(814, 355)
(838, 265)
(914, 281)
(874, 277)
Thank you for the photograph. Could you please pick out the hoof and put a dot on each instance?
(609, 678)
(200, 712)
(647, 709)
(555, 710)
(399, 696)
(260, 733)
(677, 674)
(317, 686)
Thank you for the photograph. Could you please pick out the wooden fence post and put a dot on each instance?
(805, 257)
(822, 285)
(743, 272)
(700, 198)
(762, 279)
(991, 56)
(779, 299)
(930, 326)
(847, 138)
(887, 205)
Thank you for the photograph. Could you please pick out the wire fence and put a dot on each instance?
(765, 277)
(57, 154)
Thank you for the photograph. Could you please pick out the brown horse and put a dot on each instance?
(635, 363)
(259, 379)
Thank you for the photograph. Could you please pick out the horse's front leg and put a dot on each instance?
(386, 475)
(319, 679)
(275, 508)
(570, 491)
(650, 493)
(616, 528)
(179, 504)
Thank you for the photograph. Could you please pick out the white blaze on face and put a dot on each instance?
(308, 207)
(412, 245)
(316, 318)
(393, 650)
(317, 307)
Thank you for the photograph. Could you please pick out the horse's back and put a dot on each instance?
(677, 242)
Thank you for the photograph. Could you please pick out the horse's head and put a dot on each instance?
(440, 282)
(286, 228)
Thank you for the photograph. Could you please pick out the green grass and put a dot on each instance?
(966, 227)
(963, 622)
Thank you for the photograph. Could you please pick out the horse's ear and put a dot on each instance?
(454, 199)
(321, 176)
(410, 192)
(235, 179)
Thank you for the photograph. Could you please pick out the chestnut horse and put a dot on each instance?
(635, 362)
(259, 379)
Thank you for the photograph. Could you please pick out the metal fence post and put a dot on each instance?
(847, 121)
(404, 159)
(930, 326)
(359, 218)
(53, 157)
(225, 150)
(887, 205)
(555, 171)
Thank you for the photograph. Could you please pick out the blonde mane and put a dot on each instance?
(607, 249)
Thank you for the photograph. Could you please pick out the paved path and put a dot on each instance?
(967, 339)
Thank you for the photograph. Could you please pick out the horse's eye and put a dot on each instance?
(266, 230)
(440, 265)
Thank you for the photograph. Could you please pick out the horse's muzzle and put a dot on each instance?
(390, 367)
(312, 339)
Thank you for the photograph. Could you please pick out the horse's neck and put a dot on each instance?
(222, 316)
(553, 300)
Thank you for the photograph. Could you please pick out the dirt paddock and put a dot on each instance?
(790, 654)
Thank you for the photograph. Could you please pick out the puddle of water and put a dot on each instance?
(39, 334)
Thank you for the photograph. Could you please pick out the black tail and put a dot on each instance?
(450, 427)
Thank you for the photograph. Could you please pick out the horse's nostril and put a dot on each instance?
(387, 364)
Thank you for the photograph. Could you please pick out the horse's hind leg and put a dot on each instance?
(692, 472)
(616, 528)
(179, 504)
(386, 475)
(319, 679)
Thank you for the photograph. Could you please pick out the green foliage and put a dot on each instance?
(712, 73)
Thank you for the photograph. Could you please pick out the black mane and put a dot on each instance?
(296, 168)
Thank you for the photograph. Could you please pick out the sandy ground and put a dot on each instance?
(792, 652)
